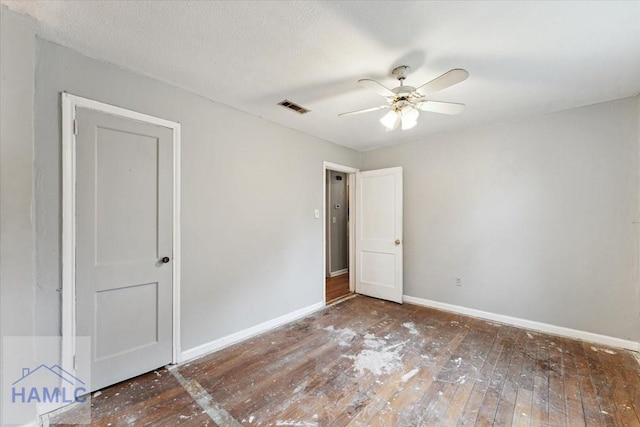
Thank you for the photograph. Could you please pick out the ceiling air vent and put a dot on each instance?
(293, 106)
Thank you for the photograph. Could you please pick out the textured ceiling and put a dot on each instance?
(524, 58)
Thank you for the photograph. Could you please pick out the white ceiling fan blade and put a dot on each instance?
(446, 80)
(377, 87)
(366, 110)
(441, 107)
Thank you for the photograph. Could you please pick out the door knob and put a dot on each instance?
(165, 259)
(397, 242)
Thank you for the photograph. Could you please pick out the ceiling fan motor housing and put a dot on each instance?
(403, 91)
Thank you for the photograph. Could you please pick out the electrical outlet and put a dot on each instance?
(458, 281)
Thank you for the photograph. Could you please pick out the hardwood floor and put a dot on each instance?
(366, 362)
(337, 287)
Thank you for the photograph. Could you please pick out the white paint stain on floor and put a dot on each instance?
(457, 361)
(378, 361)
(604, 350)
(296, 423)
(406, 377)
(371, 341)
(344, 336)
(411, 327)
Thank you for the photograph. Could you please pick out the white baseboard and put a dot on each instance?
(220, 343)
(339, 272)
(529, 324)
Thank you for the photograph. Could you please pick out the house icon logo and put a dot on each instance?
(48, 384)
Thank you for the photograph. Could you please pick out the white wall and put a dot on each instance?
(537, 217)
(251, 248)
(17, 245)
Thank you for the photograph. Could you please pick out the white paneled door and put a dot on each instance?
(124, 260)
(379, 233)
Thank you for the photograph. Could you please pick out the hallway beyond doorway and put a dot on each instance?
(337, 287)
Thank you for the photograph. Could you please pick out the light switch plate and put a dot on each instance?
(316, 213)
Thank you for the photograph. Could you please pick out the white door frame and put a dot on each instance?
(328, 166)
(69, 105)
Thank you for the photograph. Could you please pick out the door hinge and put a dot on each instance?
(75, 363)
(75, 126)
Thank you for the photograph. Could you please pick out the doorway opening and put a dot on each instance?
(338, 231)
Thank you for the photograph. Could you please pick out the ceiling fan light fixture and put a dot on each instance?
(409, 112)
(408, 124)
(405, 117)
(408, 116)
(391, 120)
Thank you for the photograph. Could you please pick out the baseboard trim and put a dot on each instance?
(528, 324)
(228, 340)
(339, 272)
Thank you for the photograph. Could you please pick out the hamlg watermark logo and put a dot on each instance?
(32, 386)
(36, 382)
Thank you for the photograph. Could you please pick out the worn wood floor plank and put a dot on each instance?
(573, 395)
(508, 396)
(474, 403)
(590, 406)
(479, 346)
(602, 387)
(540, 403)
(366, 362)
(557, 406)
(623, 381)
(522, 408)
(489, 405)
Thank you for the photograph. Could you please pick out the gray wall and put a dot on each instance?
(536, 217)
(17, 244)
(251, 248)
(338, 231)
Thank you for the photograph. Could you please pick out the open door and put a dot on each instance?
(379, 234)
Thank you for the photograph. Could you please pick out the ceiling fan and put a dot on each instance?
(406, 102)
